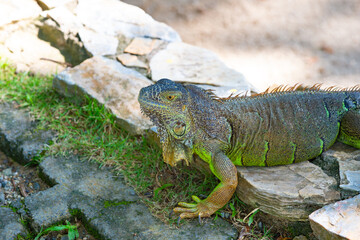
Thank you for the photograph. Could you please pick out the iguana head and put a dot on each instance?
(166, 103)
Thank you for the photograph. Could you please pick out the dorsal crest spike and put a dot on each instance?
(297, 87)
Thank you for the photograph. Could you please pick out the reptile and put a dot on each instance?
(280, 127)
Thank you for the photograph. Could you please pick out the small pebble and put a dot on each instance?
(36, 186)
(7, 172)
(65, 237)
(2, 198)
(2, 183)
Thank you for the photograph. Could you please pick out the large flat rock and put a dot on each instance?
(290, 192)
(109, 208)
(109, 83)
(183, 62)
(102, 34)
(340, 220)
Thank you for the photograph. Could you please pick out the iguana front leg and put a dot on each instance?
(226, 172)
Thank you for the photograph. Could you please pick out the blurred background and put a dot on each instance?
(272, 42)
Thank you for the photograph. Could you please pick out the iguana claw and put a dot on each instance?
(192, 210)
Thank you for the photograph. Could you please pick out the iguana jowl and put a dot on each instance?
(265, 130)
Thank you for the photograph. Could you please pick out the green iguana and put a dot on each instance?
(281, 127)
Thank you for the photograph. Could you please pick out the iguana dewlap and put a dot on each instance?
(265, 130)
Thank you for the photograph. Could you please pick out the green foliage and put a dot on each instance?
(72, 231)
(157, 190)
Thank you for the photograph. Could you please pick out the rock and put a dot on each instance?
(301, 237)
(48, 206)
(106, 205)
(11, 11)
(340, 220)
(26, 55)
(97, 43)
(129, 60)
(109, 83)
(133, 220)
(117, 18)
(142, 46)
(289, 192)
(348, 161)
(7, 172)
(49, 4)
(183, 62)
(61, 28)
(19, 137)
(10, 225)
(2, 197)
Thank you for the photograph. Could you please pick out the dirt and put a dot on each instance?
(272, 42)
(17, 181)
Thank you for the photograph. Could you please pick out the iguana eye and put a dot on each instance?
(170, 97)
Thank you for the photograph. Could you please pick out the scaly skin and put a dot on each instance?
(266, 130)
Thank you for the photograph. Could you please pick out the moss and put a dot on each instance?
(116, 203)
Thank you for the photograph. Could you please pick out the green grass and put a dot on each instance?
(91, 131)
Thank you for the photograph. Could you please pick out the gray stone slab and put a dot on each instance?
(10, 225)
(111, 209)
(19, 137)
(49, 206)
(132, 220)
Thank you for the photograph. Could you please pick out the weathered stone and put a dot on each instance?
(117, 18)
(2, 197)
(289, 192)
(26, 55)
(183, 62)
(98, 43)
(10, 225)
(142, 46)
(349, 167)
(129, 60)
(19, 137)
(301, 237)
(49, 4)
(128, 220)
(11, 11)
(61, 28)
(109, 208)
(111, 84)
(49, 206)
(340, 220)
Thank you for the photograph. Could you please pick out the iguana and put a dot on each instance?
(276, 128)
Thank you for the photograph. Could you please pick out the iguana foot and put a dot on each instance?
(192, 210)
